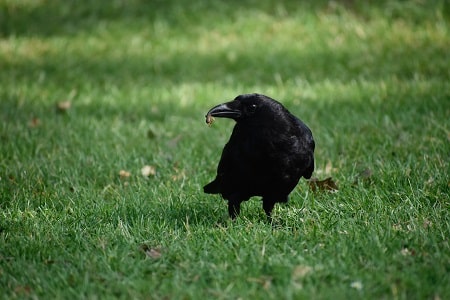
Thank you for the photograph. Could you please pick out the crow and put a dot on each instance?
(268, 152)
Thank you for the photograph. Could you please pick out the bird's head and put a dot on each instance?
(247, 107)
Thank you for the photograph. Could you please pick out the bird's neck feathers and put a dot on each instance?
(273, 119)
(275, 124)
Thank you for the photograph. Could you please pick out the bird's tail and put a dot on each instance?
(212, 187)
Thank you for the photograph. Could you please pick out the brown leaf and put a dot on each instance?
(147, 171)
(322, 185)
(154, 253)
(63, 106)
(179, 174)
(407, 252)
(265, 281)
(12, 178)
(356, 285)
(22, 289)
(301, 271)
(329, 168)
(427, 223)
(124, 174)
(35, 122)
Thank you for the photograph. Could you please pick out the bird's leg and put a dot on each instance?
(234, 209)
(268, 206)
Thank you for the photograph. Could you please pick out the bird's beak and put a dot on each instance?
(224, 110)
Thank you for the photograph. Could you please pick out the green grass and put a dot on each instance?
(372, 81)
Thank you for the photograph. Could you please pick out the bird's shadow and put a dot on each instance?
(194, 214)
(213, 213)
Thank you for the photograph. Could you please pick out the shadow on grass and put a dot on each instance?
(252, 66)
(201, 211)
(54, 17)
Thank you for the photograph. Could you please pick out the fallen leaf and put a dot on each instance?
(265, 281)
(301, 271)
(329, 168)
(179, 174)
(63, 106)
(322, 185)
(427, 223)
(124, 174)
(35, 122)
(356, 285)
(154, 253)
(22, 289)
(12, 179)
(147, 171)
(397, 227)
(407, 252)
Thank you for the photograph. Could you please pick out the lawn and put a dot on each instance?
(93, 91)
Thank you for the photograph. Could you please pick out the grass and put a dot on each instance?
(371, 81)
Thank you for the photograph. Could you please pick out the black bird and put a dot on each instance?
(268, 152)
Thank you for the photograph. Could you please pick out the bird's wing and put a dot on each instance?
(305, 147)
(226, 160)
(225, 164)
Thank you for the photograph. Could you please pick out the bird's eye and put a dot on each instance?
(252, 108)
